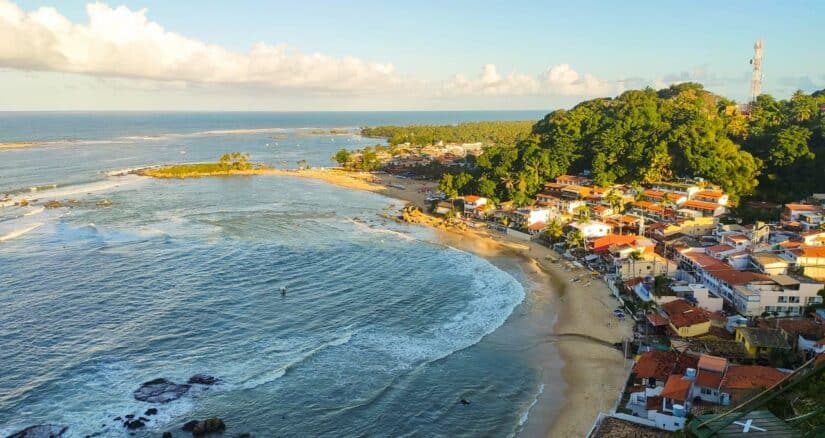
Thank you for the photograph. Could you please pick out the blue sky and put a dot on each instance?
(394, 55)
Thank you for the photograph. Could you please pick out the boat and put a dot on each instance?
(397, 186)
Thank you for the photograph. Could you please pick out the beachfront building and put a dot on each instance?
(696, 227)
(686, 320)
(475, 205)
(786, 295)
(622, 245)
(527, 216)
(552, 197)
(591, 229)
(693, 208)
(719, 277)
(762, 341)
(813, 237)
(649, 264)
(698, 295)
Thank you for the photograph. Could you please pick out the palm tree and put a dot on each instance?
(575, 239)
(509, 182)
(554, 230)
(583, 213)
(615, 200)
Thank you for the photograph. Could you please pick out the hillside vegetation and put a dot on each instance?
(485, 132)
(776, 153)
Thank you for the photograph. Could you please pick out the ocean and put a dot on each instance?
(383, 330)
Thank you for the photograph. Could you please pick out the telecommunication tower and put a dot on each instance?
(756, 79)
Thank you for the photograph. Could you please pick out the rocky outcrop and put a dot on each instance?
(53, 204)
(42, 431)
(104, 203)
(151, 411)
(160, 391)
(211, 425)
(203, 379)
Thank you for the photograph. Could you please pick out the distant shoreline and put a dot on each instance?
(18, 145)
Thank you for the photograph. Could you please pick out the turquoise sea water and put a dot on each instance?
(381, 333)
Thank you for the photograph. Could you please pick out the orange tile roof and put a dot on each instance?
(733, 277)
(708, 379)
(751, 376)
(677, 388)
(705, 261)
(812, 251)
(790, 244)
(552, 185)
(656, 319)
(737, 238)
(720, 248)
(654, 403)
(710, 194)
(537, 226)
(603, 243)
(700, 205)
(682, 314)
(712, 363)
(645, 205)
(803, 207)
(472, 198)
(653, 193)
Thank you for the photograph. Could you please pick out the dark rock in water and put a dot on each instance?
(129, 416)
(167, 435)
(41, 431)
(209, 426)
(464, 402)
(244, 435)
(134, 424)
(117, 418)
(203, 379)
(160, 391)
(143, 419)
(151, 411)
(189, 426)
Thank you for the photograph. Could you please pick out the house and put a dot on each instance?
(654, 367)
(601, 211)
(444, 207)
(605, 243)
(684, 189)
(697, 227)
(698, 295)
(805, 216)
(650, 264)
(786, 295)
(761, 341)
(661, 197)
(813, 237)
(709, 374)
(685, 320)
(555, 201)
(714, 196)
(676, 402)
(769, 263)
(473, 203)
(742, 382)
(528, 216)
(810, 258)
(568, 180)
(592, 229)
(704, 208)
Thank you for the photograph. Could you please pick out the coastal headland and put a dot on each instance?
(580, 322)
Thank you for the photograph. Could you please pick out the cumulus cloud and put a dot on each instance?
(120, 42)
(123, 45)
(560, 80)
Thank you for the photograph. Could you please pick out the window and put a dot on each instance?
(793, 300)
(782, 299)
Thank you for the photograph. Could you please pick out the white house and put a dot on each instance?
(472, 203)
(592, 229)
(529, 216)
(782, 294)
(700, 295)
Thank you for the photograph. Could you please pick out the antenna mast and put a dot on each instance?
(756, 79)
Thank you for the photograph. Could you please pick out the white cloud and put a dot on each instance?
(559, 80)
(120, 42)
(124, 45)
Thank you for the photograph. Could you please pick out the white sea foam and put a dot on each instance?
(21, 231)
(55, 191)
(34, 211)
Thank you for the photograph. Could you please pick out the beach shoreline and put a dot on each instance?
(584, 328)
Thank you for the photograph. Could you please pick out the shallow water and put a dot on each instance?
(379, 333)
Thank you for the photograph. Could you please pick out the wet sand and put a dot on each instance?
(574, 317)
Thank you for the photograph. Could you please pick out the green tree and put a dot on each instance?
(791, 144)
(342, 157)
(575, 239)
(554, 230)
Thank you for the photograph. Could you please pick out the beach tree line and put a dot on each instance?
(775, 150)
(505, 132)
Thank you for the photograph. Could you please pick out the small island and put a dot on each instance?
(234, 163)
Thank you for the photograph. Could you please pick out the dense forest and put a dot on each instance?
(485, 132)
(776, 153)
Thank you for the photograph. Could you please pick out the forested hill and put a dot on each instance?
(472, 132)
(776, 153)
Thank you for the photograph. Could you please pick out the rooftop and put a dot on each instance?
(677, 388)
(682, 314)
(712, 363)
(764, 337)
(803, 207)
(719, 248)
(700, 205)
(751, 376)
(710, 194)
(611, 427)
(661, 364)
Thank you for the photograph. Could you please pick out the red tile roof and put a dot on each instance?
(538, 226)
(720, 248)
(812, 251)
(708, 379)
(733, 277)
(803, 207)
(677, 388)
(712, 363)
(682, 314)
(751, 376)
(660, 364)
(656, 320)
(654, 403)
(472, 198)
(603, 243)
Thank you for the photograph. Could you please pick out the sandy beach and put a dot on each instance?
(579, 319)
(17, 145)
